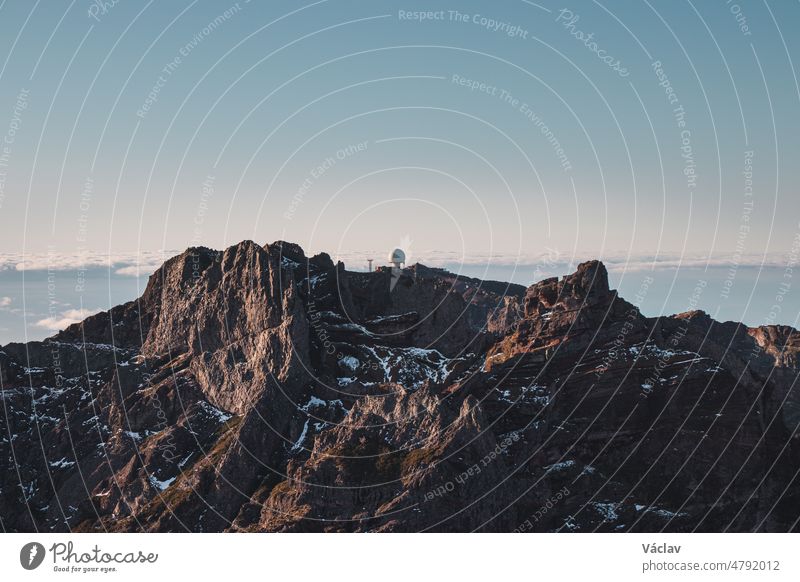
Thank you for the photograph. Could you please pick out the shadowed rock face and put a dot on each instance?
(257, 389)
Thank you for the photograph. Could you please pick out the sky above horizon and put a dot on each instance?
(485, 129)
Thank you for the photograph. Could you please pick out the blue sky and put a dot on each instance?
(235, 143)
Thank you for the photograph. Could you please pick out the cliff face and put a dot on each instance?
(257, 389)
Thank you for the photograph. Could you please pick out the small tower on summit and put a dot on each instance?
(397, 258)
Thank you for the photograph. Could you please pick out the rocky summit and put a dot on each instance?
(258, 389)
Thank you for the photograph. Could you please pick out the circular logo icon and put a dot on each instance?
(31, 555)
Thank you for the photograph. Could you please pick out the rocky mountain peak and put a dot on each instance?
(587, 287)
(286, 393)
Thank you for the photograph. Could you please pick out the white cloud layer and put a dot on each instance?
(125, 264)
(65, 319)
(561, 262)
(145, 263)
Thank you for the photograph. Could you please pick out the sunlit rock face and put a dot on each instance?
(257, 389)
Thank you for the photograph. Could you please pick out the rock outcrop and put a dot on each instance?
(257, 389)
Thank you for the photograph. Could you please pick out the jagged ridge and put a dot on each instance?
(258, 389)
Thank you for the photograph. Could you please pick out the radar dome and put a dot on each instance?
(397, 256)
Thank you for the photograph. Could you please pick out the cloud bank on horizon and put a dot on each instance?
(145, 263)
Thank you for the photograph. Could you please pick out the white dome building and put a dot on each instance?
(397, 258)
